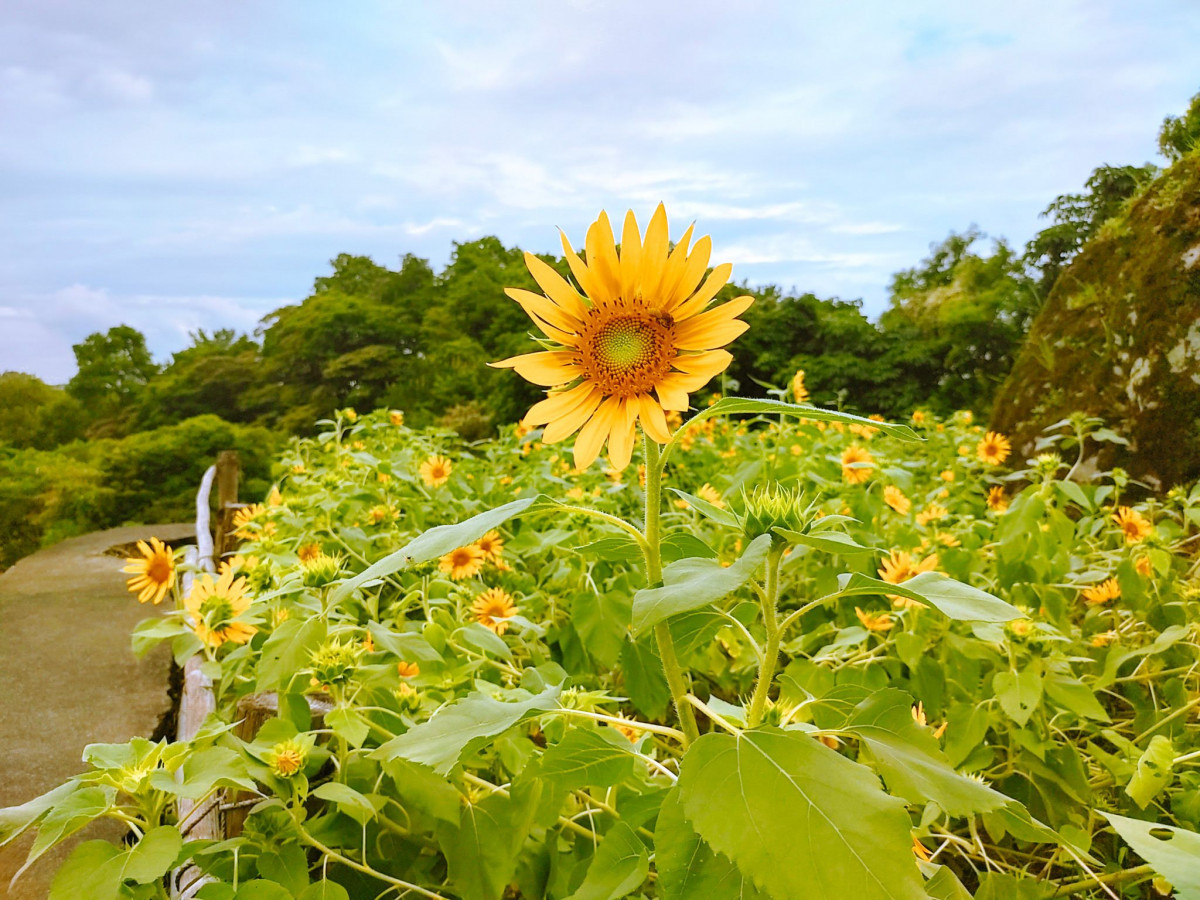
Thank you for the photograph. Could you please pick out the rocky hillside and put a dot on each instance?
(1119, 337)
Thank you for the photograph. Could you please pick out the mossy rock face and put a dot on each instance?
(1119, 338)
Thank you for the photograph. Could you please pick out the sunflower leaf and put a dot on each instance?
(1174, 853)
(953, 598)
(742, 405)
(693, 583)
(619, 866)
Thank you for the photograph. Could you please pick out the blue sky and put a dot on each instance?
(174, 166)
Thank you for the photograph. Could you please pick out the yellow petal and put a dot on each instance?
(539, 307)
(594, 433)
(556, 404)
(602, 259)
(676, 265)
(587, 280)
(653, 419)
(570, 422)
(710, 362)
(700, 299)
(631, 256)
(556, 287)
(694, 269)
(671, 392)
(654, 254)
(549, 368)
(624, 429)
(714, 328)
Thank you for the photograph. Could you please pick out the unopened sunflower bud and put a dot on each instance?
(321, 569)
(769, 507)
(334, 662)
(288, 757)
(1047, 464)
(408, 698)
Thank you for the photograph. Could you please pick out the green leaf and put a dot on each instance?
(908, 757)
(620, 548)
(588, 757)
(66, 817)
(89, 873)
(348, 724)
(262, 889)
(708, 510)
(953, 598)
(827, 541)
(687, 867)
(1153, 772)
(751, 796)
(349, 801)
(620, 865)
(479, 852)
(433, 543)
(484, 640)
(202, 771)
(424, 790)
(408, 645)
(15, 819)
(1173, 852)
(601, 618)
(154, 854)
(1072, 694)
(693, 583)
(288, 650)
(729, 406)
(644, 681)
(681, 545)
(944, 885)
(441, 742)
(1019, 693)
(324, 890)
(286, 864)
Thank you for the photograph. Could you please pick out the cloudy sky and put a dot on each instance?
(181, 165)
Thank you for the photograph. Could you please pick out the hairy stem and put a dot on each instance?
(770, 657)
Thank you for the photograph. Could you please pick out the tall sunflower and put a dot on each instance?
(217, 606)
(632, 343)
(153, 572)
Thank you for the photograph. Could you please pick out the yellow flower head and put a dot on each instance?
(153, 572)
(894, 497)
(436, 470)
(880, 621)
(491, 545)
(856, 464)
(1144, 567)
(274, 498)
(308, 551)
(1133, 524)
(396, 417)
(244, 517)
(711, 494)
(997, 500)
(465, 562)
(633, 344)
(918, 417)
(799, 391)
(493, 608)
(932, 513)
(898, 567)
(1102, 593)
(408, 669)
(947, 475)
(288, 757)
(993, 449)
(216, 608)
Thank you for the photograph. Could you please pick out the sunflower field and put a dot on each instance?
(769, 651)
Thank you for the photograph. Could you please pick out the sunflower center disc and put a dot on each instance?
(626, 353)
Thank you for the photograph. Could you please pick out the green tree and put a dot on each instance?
(113, 370)
(35, 414)
(215, 375)
(1180, 135)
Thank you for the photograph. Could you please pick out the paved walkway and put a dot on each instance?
(68, 677)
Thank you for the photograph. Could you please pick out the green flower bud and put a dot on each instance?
(334, 662)
(321, 570)
(772, 506)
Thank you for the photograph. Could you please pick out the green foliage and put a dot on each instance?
(34, 414)
(1180, 135)
(113, 370)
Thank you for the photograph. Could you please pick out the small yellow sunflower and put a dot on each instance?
(436, 470)
(711, 494)
(1102, 593)
(153, 572)
(396, 417)
(898, 567)
(856, 464)
(465, 562)
(997, 500)
(894, 497)
(243, 518)
(1144, 567)
(493, 608)
(1133, 524)
(799, 391)
(216, 606)
(408, 669)
(880, 621)
(491, 545)
(932, 513)
(633, 344)
(993, 449)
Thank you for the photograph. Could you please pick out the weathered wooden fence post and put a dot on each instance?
(228, 468)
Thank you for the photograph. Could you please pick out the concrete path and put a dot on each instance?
(68, 677)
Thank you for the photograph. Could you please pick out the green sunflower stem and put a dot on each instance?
(662, 633)
(770, 657)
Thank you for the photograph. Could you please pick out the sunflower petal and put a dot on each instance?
(714, 328)
(593, 435)
(624, 429)
(539, 307)
(671, 392)
(710, 362)
(549, 368)
(588, 281)
(695, 303)
(693, 271)
(571, 421)
(653, 419)
(654, 254)
(557, 404)
(602, 259)
(556, 288)
(676, 265)
(631, 256)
